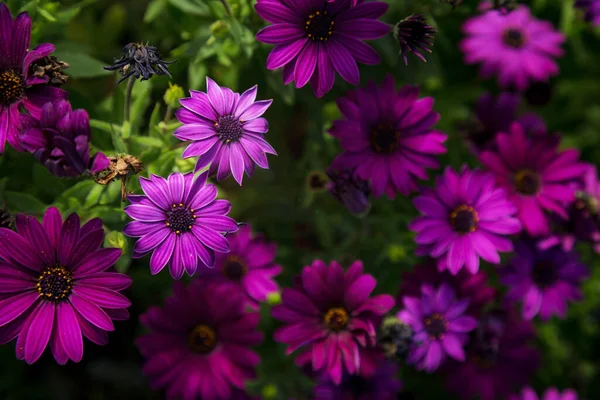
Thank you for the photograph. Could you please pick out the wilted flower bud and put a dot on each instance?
(350, 190)
(414, 36)
(172, 95)
(50, 68)
(116, 239)
(121, 166)
(140, 61)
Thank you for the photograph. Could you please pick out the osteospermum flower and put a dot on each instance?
(57, 286)
(544, 280)
(387, 136)
(331, 317)
(199, 342)
(18, 85)
(514, 46)
(440, 326)
(550, 394)
(180, 221)
(314, 39)
(592, 10)
(226, 130)
(414, 36)
(465, 217)
(536, 175)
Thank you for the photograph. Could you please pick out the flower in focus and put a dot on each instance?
(440, 326)
(550, 394)
(18, 85)
(180, 221)
(387, 137)
(226, 130)
(60, 140)
(536, 175)
(199, 341)
(350, 190)
(140, 61)
(414, 36)
(314, 39)
(58, 286)
(592, 10)
(544, 280)
(514, 46)
(465, 217)
(330, 315)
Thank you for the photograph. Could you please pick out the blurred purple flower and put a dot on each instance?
(592, 10)
(349, 190)
(550, 394)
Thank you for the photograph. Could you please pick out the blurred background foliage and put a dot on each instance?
(216, 38)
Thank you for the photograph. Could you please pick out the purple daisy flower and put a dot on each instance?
(543, 279)
(592, 10)
(226, 130)
(515, 46)
(57, 286)
(387, 137)
(464, 218)
(181, 220)
(331, 316)
(536, 175)
(18, 85)
(199, 342)
(60, 140)
(314, 39)
(250, 264)
(439, 324)
(550, 394)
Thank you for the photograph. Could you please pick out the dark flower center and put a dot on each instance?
(464, 219)
(514, 38)
(436, 325)
(234, 268)
(11, 87)
(384, 138)
(202, 339)
(527, 182)
(319, 26)
(55, 283)
(544, 273)
(336, 319)
(180, 218)
(229, 128)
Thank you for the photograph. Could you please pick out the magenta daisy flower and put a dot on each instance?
(58, 286)
(439, 324)
(331, 317)
(226, 130)
(387, 137)
(550, 394)
(180, 221)
(515, 46)
(592, 11)
(536, 175)
(250, 264)
(465, 217)
(18, 86)
(314, 39)
(199, 342)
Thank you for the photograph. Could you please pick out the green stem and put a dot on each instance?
(129, 90)
(227, 8)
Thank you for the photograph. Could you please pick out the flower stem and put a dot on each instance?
(227, 8)
(129, 90)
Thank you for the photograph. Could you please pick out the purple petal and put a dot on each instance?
(343, 62)
(284, 53)
(162, 254)
(102, 297)
(211, 238)
(151, 240)
(68, 238)
(69, 331)
(215, 95)
(39, 332)
(91, 312)
(15, 306)
(145, 213)
(98, 261)
(157, 191)
(255, 110)
(52, 224)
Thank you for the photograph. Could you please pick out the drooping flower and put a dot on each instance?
(440, 325)
(330, 315)
(180, 221)
(465, 217)
(226, 130)
(536, 175)
(514, 46)
(544, 280)
(314, 39)
(199, 342)
(550, 394)
(415, 36)
(58, 286)
(350, 190)
(592, 10)
(140, 61)
(387, 136)
(18, 85)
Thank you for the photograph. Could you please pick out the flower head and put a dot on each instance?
(314, 39)
(140, 61)
(199, 342)
(59, 286)
(592, 10)
(51, 69)
(226, 130)
(387, 136)
(350, 190)
(465, 217)
(550, 394)
(180, 221)
(414, 36)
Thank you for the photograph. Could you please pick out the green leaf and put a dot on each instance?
(147, 141)
(194, 7)
(154, 120)
(46, 14)
(82, 65)
(94, 196)
(141, 99)
(23, 202)
(155, 8)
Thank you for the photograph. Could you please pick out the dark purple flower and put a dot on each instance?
(440, 326)
(199, 342)
(550, 394)
(330, 315)
(314, 39)
(514, 46)
(592, 10)
(465, 217)
(349, 190)
(544, 280)
(18, 85)
(226, 130)
(415, 36)
(181, 221)
(58, 286)
(387, 136)
(140, 61)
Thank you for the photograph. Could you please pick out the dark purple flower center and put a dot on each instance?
(230, 128)
(384, 138)
(55, 283)
(336, 319)
(202, 339)
(436, 325)
(319, 26)
(514, 38)
(527, 182)
(544, 273)
(180, 218)
(464, 219)
(234, 268)
(11, 87)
